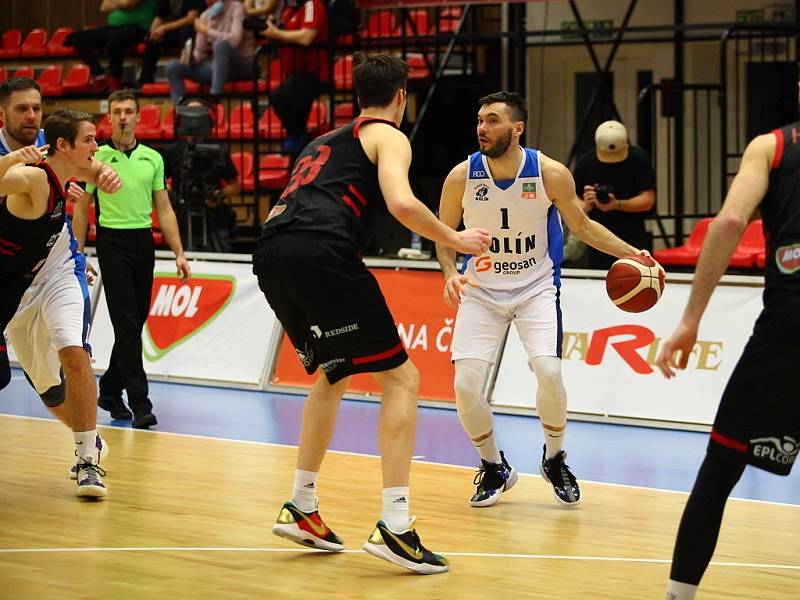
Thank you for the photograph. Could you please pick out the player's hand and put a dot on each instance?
(644, 252)
(74, 191)
(453, 288)
(675, 351)
(29, 154)
(184, 270)
(472, 241)
(612, 204)
(91, 273)
(108, 181)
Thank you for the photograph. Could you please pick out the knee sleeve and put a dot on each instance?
(473, 409)
(551, 399)
(54, 396)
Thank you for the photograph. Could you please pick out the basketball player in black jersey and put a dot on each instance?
(308, 263)
(758, 420)
(44, 304)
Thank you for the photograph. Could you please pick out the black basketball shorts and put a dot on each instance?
(330, 306)
(758, 419)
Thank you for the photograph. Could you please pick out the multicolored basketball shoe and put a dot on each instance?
(307, 529)
(90, 483)
(102, 449)
(405, 549)
(565, 486)
(492, 480)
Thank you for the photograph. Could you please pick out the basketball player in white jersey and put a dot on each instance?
(519, 195)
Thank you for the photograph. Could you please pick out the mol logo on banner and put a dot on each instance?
(636, 345)
(178, 311)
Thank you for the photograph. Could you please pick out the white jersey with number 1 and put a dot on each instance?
(526, 250)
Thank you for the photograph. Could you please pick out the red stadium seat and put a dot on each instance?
(241, 122)
(750, 246)
(50, 81)
(343, 73)
(158, 236)
(168, 125)
(56, 47)
(761, 260)
(77, 80)
(343, 113)
(269, 125)
(419, 17)
(161, 88)
(220, 126)
(24, 72)
(419, 68)
(688, 253)
(11, 43)
(104, 128)
(318, 121)
(244, 165)
(245, 87)
(35, 43)
(149, 127)
(382, 23)
(448, 19)
(3, 74)
(273, 171)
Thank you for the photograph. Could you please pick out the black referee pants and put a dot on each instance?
(127, 259)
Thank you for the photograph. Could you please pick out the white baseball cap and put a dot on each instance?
(611, 142)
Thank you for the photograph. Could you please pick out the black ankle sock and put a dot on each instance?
(702, 517)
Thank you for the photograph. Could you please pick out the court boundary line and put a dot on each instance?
(262, 550)
(423, 462)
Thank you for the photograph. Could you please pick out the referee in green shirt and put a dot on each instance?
(126, 254)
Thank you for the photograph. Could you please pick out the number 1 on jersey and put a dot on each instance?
(504, 218)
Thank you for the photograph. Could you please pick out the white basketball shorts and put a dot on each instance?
(54, 313)
(484, 316)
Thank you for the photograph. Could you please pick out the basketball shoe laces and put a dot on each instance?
(490, 476)
(92, 473)
(557, 464)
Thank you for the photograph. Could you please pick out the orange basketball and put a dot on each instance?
(635, 283)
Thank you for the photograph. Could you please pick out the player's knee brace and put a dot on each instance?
(473, 410)
(55, 396)
(551, 401)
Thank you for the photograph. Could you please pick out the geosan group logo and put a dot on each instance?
(178, 311)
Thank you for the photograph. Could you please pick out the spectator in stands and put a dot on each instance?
(21, 112)
(303, 69)
(617, 184)
(127, 26)
(173, 25)
(223, 50)
(211, 192)
(258, 12)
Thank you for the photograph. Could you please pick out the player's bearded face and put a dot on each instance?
(498, 147)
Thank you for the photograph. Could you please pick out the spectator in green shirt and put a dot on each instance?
(127, 25)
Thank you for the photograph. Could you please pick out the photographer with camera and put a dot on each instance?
(204, 179)
(617, 184)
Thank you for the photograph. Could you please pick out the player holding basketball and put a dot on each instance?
(758, 419)
(309, 266)
(517, 194)
(44, 305)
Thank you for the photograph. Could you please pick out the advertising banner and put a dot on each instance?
(609, 355)
(216, 327)
(425, 325)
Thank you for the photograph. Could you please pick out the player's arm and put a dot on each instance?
(450, 213)
(560, 188)
(100, 175)
(394, 158)
(80, 219)
(169, 227)
(745, 194)
(26, 187)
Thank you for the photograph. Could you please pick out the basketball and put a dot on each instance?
(635, 283)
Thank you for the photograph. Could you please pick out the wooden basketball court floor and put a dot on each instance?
(189, 516)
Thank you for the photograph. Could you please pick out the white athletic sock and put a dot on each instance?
(680, 591)
(85, 445)
(553, 441)
(395, 508)
(487, 448)
(304, 494)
